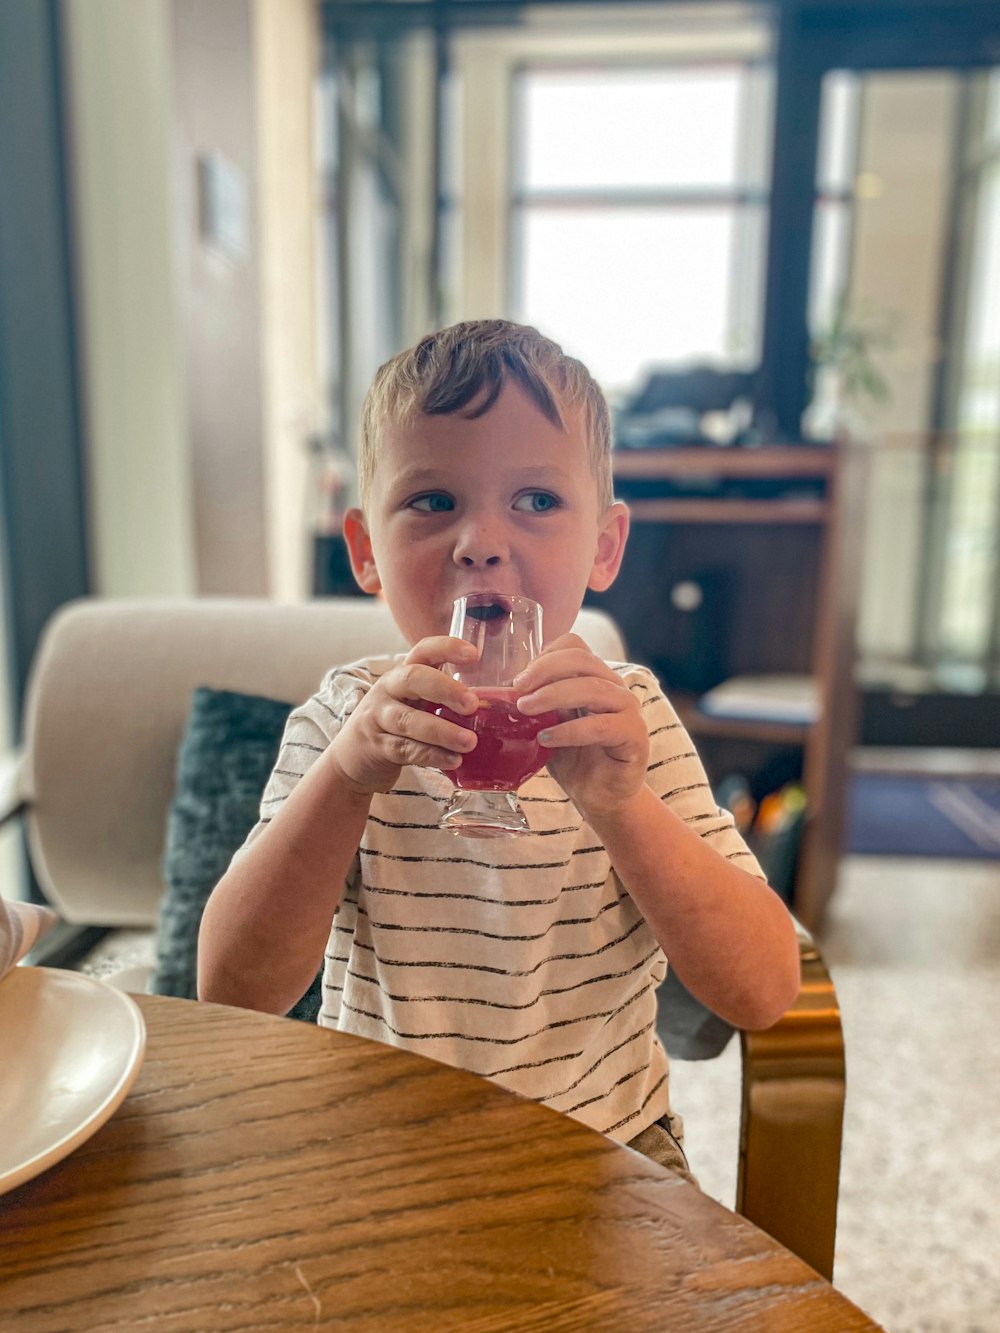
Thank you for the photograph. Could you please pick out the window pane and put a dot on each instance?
(755, 126)
(830, 261)
(838, 133)
(615, 129)
(982, 349)
(993, 108)
(970, 585)
(971, 556)
(833, 215)
(626, 288)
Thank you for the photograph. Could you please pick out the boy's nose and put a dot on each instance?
(480, 546)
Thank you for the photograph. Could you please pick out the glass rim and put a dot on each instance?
(509, 600)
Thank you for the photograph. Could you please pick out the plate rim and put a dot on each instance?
(30, 981)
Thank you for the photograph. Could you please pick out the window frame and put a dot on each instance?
(733, 200)
(489, 64)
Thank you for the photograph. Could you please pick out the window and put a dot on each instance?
(832, 239)
(907, 249)
(639, 207)
(836, 169)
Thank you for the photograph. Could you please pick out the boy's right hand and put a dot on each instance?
(392, 725)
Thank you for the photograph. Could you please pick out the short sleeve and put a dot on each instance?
(678, 777)
(308, 732)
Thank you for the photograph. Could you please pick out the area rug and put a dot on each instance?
(893, 814)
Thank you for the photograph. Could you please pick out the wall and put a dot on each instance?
(287, 48)
(200, 371)
(218, 291)
(11, 858)
(139, 483)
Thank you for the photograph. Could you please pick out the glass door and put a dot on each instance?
(906, 332)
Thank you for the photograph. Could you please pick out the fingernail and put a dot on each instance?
(544, 737)
(519, 679)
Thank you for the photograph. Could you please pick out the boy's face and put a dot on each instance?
(506, 502)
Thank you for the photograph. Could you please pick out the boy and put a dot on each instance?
(485, 467)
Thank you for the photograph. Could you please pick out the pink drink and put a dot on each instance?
(508, 752)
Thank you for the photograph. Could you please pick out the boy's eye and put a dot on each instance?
(434, 502)
(536, 502)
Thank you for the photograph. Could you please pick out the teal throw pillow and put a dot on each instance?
(226, 756)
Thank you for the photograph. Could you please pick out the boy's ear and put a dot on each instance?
(359, 547)
(611, 539)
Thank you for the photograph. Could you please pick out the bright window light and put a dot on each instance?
(626, 289)
(639, 213)
(639, 128)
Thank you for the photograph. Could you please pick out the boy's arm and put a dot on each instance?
(267, 921)
(728, 936)
(725, 932)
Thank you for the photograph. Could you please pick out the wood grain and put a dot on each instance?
(264, 1174)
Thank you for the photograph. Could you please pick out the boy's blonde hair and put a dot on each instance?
(449, 369)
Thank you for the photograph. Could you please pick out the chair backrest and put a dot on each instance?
(108, 700)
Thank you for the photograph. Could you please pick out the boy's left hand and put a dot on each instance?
(599, 755)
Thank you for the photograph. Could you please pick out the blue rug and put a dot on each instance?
(890, 814)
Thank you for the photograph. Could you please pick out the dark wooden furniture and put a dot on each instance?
(268, 1173)
(771, 537)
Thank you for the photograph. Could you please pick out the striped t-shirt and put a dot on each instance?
(522, 959)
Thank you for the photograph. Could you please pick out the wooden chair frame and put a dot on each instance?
(792, 1119)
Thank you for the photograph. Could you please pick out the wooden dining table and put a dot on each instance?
(265, 1174)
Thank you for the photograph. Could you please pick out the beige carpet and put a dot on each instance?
(914, 949)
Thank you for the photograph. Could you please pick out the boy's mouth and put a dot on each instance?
(488, 606)
(487, 611)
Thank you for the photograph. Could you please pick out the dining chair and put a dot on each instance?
(108, 746)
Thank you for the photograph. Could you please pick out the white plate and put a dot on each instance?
(70, 1049)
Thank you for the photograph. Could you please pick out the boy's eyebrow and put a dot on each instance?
(416, 476)
(555, 478)
(533, 474)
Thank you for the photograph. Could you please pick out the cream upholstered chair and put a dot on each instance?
(108, 702)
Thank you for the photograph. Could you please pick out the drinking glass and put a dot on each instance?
(507, 630)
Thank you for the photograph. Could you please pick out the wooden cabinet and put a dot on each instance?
(744, 561)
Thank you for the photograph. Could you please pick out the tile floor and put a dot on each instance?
(914, 949)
